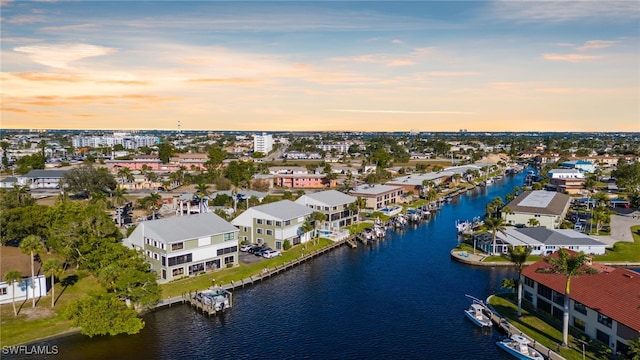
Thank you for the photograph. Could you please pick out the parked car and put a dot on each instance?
(261, 251)
(254, 248)
(246, 247)
(271, 253)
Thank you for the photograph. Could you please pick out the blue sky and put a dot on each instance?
(326, 66)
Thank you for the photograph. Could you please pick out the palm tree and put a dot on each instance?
(53, 268)
(32, 245)
(120, 196)
(569, 265)
(495, 225)
(518, 256)
(125, 174)
(152, 203)
(533, 222)
(634, 348)
(202, 192)
(508, 283)
(13, 277)
(317, 217)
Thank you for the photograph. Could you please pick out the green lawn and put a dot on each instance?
(543, 329)
(243, 271)
(32, 324)
(624, 251)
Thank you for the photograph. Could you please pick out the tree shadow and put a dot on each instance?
(66, 282)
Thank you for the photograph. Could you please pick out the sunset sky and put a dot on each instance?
(321, 65)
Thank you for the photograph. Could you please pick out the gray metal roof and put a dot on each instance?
(180, 228)
(9, 179)
(374, 189)
(284, 210)
(37, 174)
(246, 193)
(328, 197)
(554, 206)
(559, 237)
(417, 179)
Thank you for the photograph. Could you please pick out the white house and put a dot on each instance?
(335, 205)
(273, 224)
(42, 179)
(12, 258)
(378, 196)
(542, 241)
(182, 246)
(548, 207)
(581, 165)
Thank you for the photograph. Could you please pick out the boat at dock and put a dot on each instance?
(519, 346)
(476, 312)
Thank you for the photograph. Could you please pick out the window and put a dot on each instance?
(212, 265)
(602, 337)
(278, 223)
(177, 260)
(259, 230)
(196, 268)
(269, 232)
(579, 308)
(544, 291)
(229, 260)
(579, 324)
(259, 221)
(177, 246)
(287, 223)
(269, 222)
(155, 243)
(278, 245)
(155, 256)
(164, 262)
(528, 282)
(178, 271)
(229, 236)
(3, 291)
(558, 298)
(227, 250)
(604, 320)
(164, 274)
(528, 296)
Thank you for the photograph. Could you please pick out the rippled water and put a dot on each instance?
(400, 298)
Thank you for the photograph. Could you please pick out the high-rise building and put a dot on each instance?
(263, 143)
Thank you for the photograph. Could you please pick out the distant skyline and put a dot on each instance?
(321, 65)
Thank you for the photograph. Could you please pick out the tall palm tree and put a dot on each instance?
(518, 256)
(152, 203)
(125, 174)
(120, 196)
(569, 265)
(202, 192)
(32, 245)
(53, 268)
(13, 277)
(317, 217)
(495, 225)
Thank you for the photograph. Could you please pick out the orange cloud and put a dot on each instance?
(597, 44)
(226, 80)
(569, 57)
(37, 76)
(15, 110)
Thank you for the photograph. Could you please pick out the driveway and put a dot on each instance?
(620, 230)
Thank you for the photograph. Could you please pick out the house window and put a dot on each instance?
(155, 256)
(528, 296)
(259, 221)
(278, 223)
(579, 307)
(558, 298)
(229, 260)
(604, 320)
(269, 232)
(227, 250)
(177, 246)
(229, 236)
(177, 272)
(287, 223)
(164, 262)
(164, 274)
(544, 291)
(259, 230)
(278, 245)
(177, 260)
(579, 324)
(269, 222)
(602, 337)
(528, 282)
(155, 243)
(3, 291)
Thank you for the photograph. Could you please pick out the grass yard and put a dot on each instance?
(624, 251)
(545, 331)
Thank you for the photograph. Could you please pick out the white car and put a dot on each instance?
(271, 253)
(246, 247)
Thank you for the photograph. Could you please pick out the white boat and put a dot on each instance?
(519, 347)
(476, 314)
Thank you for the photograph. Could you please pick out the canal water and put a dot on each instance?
(399, 298)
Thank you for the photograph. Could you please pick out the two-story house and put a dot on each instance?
(378, 196)
(570, 181)
(273, 224)
(182, 246)
(604, 306)
(549, 208)
(335, 205)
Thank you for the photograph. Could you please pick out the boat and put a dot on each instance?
(519, 347)
(476, 314)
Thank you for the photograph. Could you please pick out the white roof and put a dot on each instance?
(326, 198)
(538, 199)
(181, 228)
(373, 189)
(280, 210)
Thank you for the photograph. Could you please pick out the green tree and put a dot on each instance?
(103, 314)
(12, 277)
(30, 162)
(165, 151)
(215, 157)
(533, 222)
(508, 283)
(518, 256)
(88, 180)
(495, 225)
(120, 196)
(125, 174)
(32, 245)
(634, 348)
(239, 172)
(317, 218)
(53, 268)
(568, 265)
(20, 222)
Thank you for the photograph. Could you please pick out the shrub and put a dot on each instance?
(286, 245)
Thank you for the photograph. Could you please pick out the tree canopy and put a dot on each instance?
(88, 179)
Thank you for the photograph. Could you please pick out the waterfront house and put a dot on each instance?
(569, 181)
(335, 205)
(378, 196)
(414, 182)
(273, 224)
(580, 165)
(182, 246)
(548, 207)
(542, 241)
(603, 306)
(12, 258)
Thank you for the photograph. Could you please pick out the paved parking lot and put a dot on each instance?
(247, 258)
